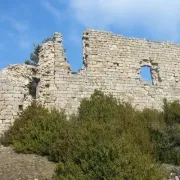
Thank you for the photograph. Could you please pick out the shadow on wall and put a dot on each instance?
(33, 87)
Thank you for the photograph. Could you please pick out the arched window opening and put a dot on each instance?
(146, 74)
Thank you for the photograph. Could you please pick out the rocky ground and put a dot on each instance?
(15, 166)
(174, 171)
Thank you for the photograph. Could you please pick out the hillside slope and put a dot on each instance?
(15, 166)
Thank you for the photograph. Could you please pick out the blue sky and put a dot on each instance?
(25, 22)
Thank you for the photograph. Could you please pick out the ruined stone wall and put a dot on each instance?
(112, 63)
(14, 93)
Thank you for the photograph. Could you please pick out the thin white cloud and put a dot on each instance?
(54, 11)
(20, 27)
(160, 17)
(22, 40)
(17, 30)
(25, 44)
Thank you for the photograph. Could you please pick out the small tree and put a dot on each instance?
(34, 56)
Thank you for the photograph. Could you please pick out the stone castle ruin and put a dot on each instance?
(112, 63)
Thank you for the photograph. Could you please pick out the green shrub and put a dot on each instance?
(32, 113)
(166, 132)
(102, 150)
(121, 159)
(99, 108)
(171, 112)
(110, 141)
(106, 140)
(68, 171)
(34, 130)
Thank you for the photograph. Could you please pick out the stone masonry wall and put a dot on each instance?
(112, 63)
(14, 92)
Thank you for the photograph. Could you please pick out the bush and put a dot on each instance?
(166, 132)
(99, 108)
(34, 130)
(117, 160)
(106, 140)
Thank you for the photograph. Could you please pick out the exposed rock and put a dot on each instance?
(15, 166)
(173, 170)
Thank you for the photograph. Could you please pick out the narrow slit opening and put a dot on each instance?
(33, 87)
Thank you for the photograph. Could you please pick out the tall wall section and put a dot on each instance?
(112, 63)
(14, 92)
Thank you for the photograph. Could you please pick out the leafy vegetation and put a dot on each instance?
(167, 137)
(107, 139)
(34, 56)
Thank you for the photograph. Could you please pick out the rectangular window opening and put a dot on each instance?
(146, 74)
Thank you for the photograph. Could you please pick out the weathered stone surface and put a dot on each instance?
(172, 170)
(112, 64)
(14, 92)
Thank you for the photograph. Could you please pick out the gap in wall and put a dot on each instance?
(146, 74)
(33, 87)
(74, 51)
